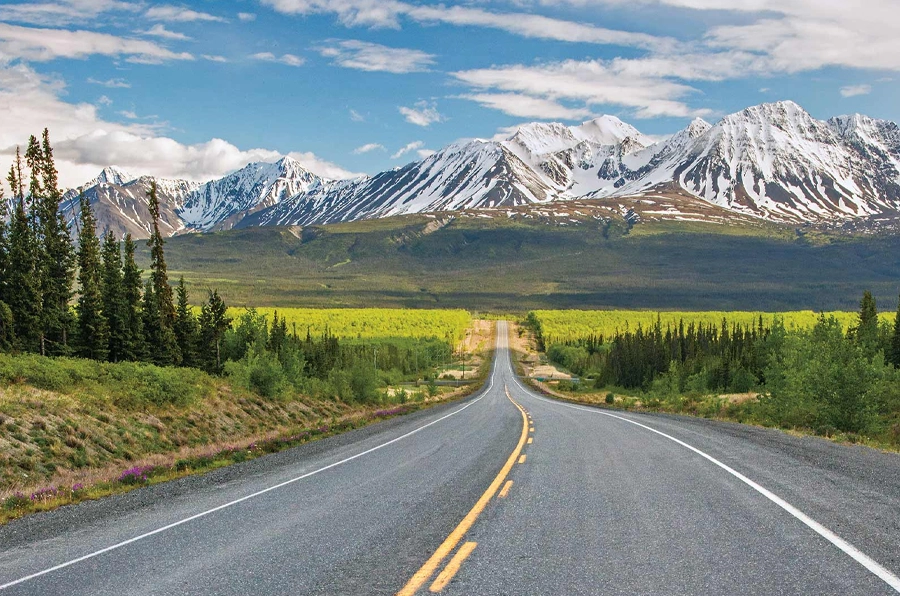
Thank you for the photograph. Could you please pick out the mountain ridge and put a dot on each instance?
(772, 161)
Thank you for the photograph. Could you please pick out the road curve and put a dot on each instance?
(506, 492)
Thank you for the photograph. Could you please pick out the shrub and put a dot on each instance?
(610, 398)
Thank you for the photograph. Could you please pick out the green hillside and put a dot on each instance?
(519, 264)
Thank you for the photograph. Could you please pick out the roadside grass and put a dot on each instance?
(73, 430)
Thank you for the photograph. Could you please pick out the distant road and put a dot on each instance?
(467, 499)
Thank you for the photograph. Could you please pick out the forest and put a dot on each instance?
(85, 297)
(828, 378)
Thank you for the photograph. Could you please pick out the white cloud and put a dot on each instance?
(246, 16)
(32, 43)
(356, 116)
(130, 114)
(288, 59)
(526, 106)
(84, 143)
(368, 148)
(180, 14)
(111, 83)
(387, 13)
(159, 30)
(104, 101)
(423, 114)
(424, 153)
(214, 58)
(363, 55)
(415, 145)
(854, 90)
(62, 12)
(590, 83)
(324, 168)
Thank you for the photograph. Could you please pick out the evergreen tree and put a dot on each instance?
(159, 319)
(186, 328)
(114, 307)
(93, 332)
(134, 347)
(894, 355)
(22, 290)
(867, 330)
(6, 321)
(213, 324)
(57, 269)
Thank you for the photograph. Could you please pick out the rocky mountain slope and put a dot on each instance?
(772, 161)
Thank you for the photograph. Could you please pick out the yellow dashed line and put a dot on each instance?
(530, 440)
(522, 459)
(427, 570)
(505, 490)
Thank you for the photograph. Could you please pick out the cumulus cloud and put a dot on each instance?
(363, 55)
(40, 45)
(246, 16)
(423, 114)
(288, 59)
(180, 14)
(854, 90)
(84, 143)
(368, 148)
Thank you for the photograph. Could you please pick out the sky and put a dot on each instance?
(349, 87)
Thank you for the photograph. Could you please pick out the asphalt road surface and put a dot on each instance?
(507, 492)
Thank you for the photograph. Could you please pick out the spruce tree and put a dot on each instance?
(186, 328)
(213, 324)
(112, 291)
(6, 320)
(135, 342)
(58, 267)
(93, 333)
(159, 318)
(895, 340)
(867, 330)
(22, 294)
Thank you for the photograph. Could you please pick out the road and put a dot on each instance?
(507, 492)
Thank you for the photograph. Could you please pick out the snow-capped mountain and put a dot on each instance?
(219, 204)
(773, 161)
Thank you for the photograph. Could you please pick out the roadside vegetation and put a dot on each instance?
(832, 375)
(111, 378)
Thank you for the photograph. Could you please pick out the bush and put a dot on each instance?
(610, 398)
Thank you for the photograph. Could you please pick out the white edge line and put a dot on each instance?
(857, 555)
(245, 498)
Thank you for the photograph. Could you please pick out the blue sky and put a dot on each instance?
(198, 89)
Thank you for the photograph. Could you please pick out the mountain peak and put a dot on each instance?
(112, 175)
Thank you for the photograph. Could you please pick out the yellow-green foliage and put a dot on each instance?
(369, 323)
(560, 326)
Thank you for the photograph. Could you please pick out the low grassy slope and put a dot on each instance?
(502, 264)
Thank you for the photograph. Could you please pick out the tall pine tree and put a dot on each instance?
(867, 330)
(159, 304)
(112, 291)
(894, 355)
(23, 294)
(93, 333)
(6, 320)
(186, 329)
(58, 267)
(38, 259)
(135, 340)
(213, 324)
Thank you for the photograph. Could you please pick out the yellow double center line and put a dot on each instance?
(427, 570)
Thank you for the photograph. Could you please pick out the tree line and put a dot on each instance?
(88, 298)
(825, 378)
(116, 315)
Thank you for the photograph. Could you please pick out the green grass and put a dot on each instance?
(503, 266)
